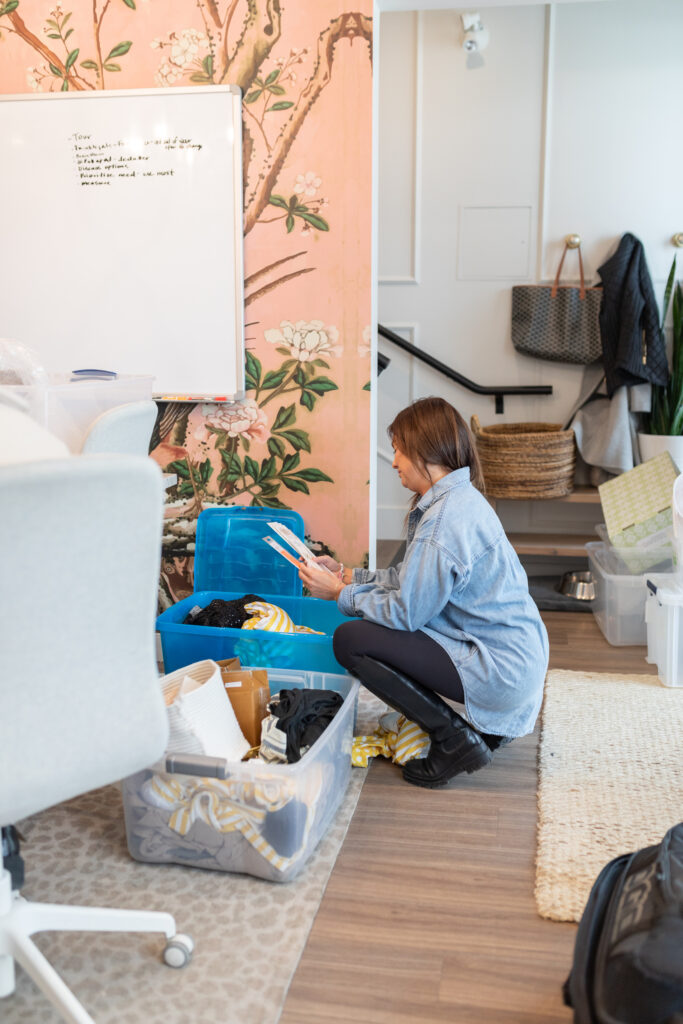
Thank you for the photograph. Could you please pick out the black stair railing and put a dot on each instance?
(498, 391)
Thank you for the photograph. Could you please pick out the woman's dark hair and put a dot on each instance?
(432, 431)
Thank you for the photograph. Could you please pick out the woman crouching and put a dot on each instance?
(455, 618)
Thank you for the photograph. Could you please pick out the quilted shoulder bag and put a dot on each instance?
(557, 322)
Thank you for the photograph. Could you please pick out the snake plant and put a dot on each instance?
(666, 416)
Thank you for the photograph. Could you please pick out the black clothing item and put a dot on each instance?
(633, 349)
(416, 654)
(455, 746)
(222, 613)
(303, 715)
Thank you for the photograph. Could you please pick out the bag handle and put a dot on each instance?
(556, 283)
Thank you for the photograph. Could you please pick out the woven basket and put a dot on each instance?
(526, 460)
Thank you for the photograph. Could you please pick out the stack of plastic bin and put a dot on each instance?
(251, 816)
(232, 560)
(664, 606)
(620, 595)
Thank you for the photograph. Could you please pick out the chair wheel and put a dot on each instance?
(178, 951)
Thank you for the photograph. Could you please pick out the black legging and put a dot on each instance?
(414, 654)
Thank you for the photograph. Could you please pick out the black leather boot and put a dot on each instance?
(455, 746)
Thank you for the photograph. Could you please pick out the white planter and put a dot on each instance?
(654, 444)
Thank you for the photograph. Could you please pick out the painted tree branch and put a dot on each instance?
(96, 23)
(212, 7)
(226, 33)
(271, 266)
(260, 33)
(347, 26)
(248, 299)
(20, 28)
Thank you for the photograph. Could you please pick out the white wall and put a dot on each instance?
(570, 126)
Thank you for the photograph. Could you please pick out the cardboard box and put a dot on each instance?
(249, 694)
(637, 505)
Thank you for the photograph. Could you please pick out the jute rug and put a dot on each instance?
(610, 779)
(249, 934)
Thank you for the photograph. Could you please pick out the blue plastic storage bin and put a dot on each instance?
(229, 563)
(231, 555)
(183, 644)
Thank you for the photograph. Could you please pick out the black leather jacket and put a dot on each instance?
(633, 349)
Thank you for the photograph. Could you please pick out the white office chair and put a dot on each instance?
(123, 430)
(80, 702)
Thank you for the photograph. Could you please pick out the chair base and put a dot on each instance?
(19, 919)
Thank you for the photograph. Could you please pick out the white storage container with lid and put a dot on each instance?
(664, 623)
(619, 604)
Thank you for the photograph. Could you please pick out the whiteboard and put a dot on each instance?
(121, 234)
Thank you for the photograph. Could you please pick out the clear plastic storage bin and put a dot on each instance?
(67, 408)
(619, 604)
(663, 607)
(261, 819)
(655, 556)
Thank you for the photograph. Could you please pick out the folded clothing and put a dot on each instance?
(303, 715)
(230, 614)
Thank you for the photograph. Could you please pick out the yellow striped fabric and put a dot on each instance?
(228, 805)
(272, 618)
(395, 738)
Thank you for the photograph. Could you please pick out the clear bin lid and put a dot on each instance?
(610, 561)
(231, 555)
(657, 554)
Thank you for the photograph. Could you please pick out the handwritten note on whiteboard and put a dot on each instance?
(98, 162)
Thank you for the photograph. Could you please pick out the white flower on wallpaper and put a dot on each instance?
(364, 346)
(306, 339)
(167, 74)
(185, 46)
(34, 77)
(244, 418)
(307, 184)
(183, 54)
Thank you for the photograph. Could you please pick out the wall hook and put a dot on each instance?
(572, 241)
(677, 240)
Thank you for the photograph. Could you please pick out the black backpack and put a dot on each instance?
(628, 955)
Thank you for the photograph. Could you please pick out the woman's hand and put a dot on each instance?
(320, 583)
(328, 562)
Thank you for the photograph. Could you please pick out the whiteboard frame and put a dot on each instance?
(238, 212)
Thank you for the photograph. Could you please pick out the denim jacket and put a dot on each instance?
(462, 584)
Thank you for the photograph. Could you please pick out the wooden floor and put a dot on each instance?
(429, 914)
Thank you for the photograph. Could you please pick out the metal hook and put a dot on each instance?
(677, 240)
(573, 241)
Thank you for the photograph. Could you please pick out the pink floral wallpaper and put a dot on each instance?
(300, 440)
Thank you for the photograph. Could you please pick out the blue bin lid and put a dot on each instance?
(231, 555)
